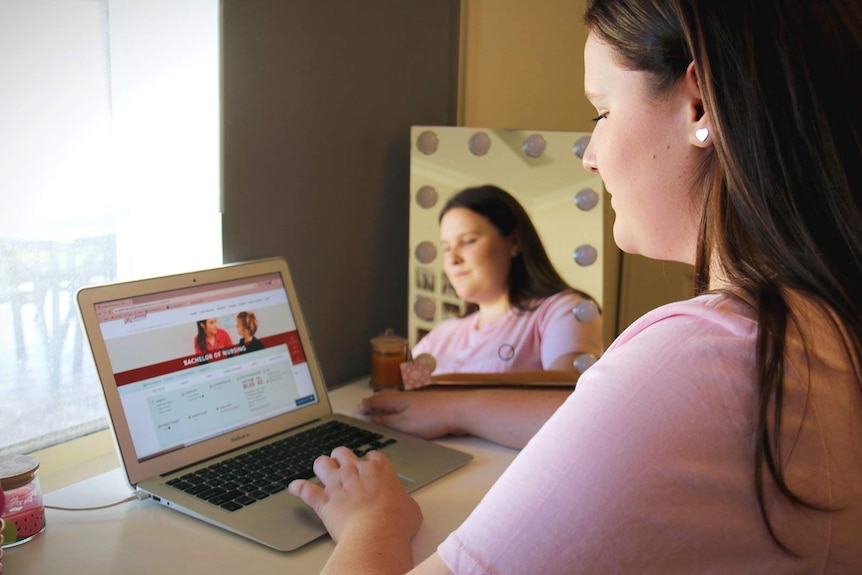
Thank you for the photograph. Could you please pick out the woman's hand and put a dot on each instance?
(428, 414)
(361, 497)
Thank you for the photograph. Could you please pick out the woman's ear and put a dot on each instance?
(700, 126)
(514, 246)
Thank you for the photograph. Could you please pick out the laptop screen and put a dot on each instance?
(198, 362)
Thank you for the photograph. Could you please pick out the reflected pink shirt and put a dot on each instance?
(648, 466)
(517, 341)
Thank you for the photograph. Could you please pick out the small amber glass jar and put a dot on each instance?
(388, 352)
(24, 513)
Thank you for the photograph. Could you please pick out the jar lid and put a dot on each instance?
(389, 341)
(17, 470)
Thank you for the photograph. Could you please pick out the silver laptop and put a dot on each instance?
(206, 373)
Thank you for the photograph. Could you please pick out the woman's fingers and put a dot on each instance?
(326, 469)
(308, 492)
(331, 470)
(344, 456)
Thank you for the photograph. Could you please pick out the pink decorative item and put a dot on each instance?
(22, 512)
(417, 373)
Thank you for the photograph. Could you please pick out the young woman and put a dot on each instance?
(246, 327)
(210, 336)
(523, 322)
(718, 435)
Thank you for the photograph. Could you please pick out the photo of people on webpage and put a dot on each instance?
(211, 337)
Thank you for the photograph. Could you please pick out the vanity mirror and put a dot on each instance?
(543, 170)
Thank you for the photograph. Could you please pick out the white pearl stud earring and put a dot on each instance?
(702, 134)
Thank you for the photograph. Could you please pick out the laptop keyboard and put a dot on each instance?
(255, 475)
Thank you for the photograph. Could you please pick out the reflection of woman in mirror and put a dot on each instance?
(522, 322)
(246, 326)
(210, 336)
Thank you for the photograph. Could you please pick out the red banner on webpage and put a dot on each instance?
(290, 339)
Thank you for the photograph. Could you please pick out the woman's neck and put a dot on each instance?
(490, 312)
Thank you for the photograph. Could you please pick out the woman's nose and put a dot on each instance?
(589, 158)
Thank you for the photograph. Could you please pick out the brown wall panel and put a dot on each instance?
(318, 100)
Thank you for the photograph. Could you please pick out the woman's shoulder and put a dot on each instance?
(557, 307)
(448, 326)
(709, 312)
(566, 295)
(691, 354)
(567, 298)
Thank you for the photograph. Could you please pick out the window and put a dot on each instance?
(110, 172)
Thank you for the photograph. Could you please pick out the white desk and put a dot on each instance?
(144, 537)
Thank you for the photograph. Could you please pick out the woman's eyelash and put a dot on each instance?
(600, 117)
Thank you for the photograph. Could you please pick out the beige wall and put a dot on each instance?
(522, 67)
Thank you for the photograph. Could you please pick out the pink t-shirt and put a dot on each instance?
(517, 341)
(648, 466)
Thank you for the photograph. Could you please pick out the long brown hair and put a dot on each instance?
(783, 186)
(201, 338)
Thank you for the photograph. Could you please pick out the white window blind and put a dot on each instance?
(109, 170)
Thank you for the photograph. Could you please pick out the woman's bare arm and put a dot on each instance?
(509, 417)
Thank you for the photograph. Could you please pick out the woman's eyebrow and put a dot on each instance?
(592, 96)
(467, 233)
